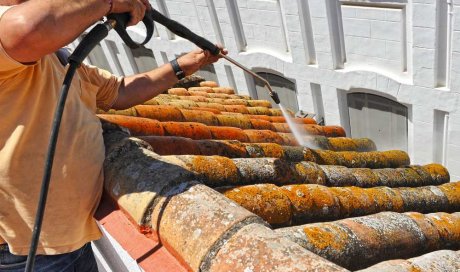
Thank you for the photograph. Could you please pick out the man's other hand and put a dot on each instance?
(198, 58)
(135, 8)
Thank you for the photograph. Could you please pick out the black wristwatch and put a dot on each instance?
(180, 74)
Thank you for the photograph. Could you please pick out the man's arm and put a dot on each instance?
(142, 87)
(36, 28)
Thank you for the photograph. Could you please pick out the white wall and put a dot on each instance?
(405, 50)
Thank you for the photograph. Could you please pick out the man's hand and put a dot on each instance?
(142, 87)
(198, 58)
(135, 8)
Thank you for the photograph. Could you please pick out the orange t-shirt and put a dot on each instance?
(28, 97)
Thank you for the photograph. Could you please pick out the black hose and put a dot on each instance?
(97, 34)
(48, 167)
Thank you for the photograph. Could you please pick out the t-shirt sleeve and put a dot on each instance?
(8, 66)
(107, 85)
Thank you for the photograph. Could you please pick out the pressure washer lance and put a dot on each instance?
(182, 31)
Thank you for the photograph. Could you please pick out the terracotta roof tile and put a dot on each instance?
(208, 136)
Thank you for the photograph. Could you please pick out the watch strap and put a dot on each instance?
(180, 74)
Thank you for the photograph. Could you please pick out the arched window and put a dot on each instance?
(285, 88)
(383, 120)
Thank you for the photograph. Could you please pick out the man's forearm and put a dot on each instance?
(38, 27)
(142, 87)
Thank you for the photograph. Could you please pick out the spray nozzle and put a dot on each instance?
(275, 97)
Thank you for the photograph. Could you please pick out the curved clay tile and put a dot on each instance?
(263, 136)
(215, 111)
(228, 133)
(315, 203)
(204, 89)
(277, 112)
(198, 93)
(265, 200)
(194, 131)
(281, 172)
(375, 238)
(199, 116)
(259, 103)
(194, 98)
(211, 84)
(216, 106)
(441, 260)
(224, 90)
(238, 121)
(236, 108)
(262, 125)
(258, 111)
(161, 113)
(178, 91)
(136, 125)
(164, 145)
(126, 112)
(235, 102)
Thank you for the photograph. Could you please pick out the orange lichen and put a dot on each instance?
(265, 200)
(276, 112)
(288, 139)
(310, 173)
(236, 108)
(397, 158)
(228, 133)
(438, 173)
(452, 192)
(258, 111)
(262, 125)
(136, 125)
(238, 121)
(194, 131)
(272, 150)
(282, 127)
(160, 113)
(326, 236)
(259, 103)
(263, 136)
(216, 170)
(324, 157)
(199, 116)
(448, 226)
(334, 131)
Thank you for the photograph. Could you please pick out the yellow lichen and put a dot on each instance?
(327, 235)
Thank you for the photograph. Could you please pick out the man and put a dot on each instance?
(30, 80)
